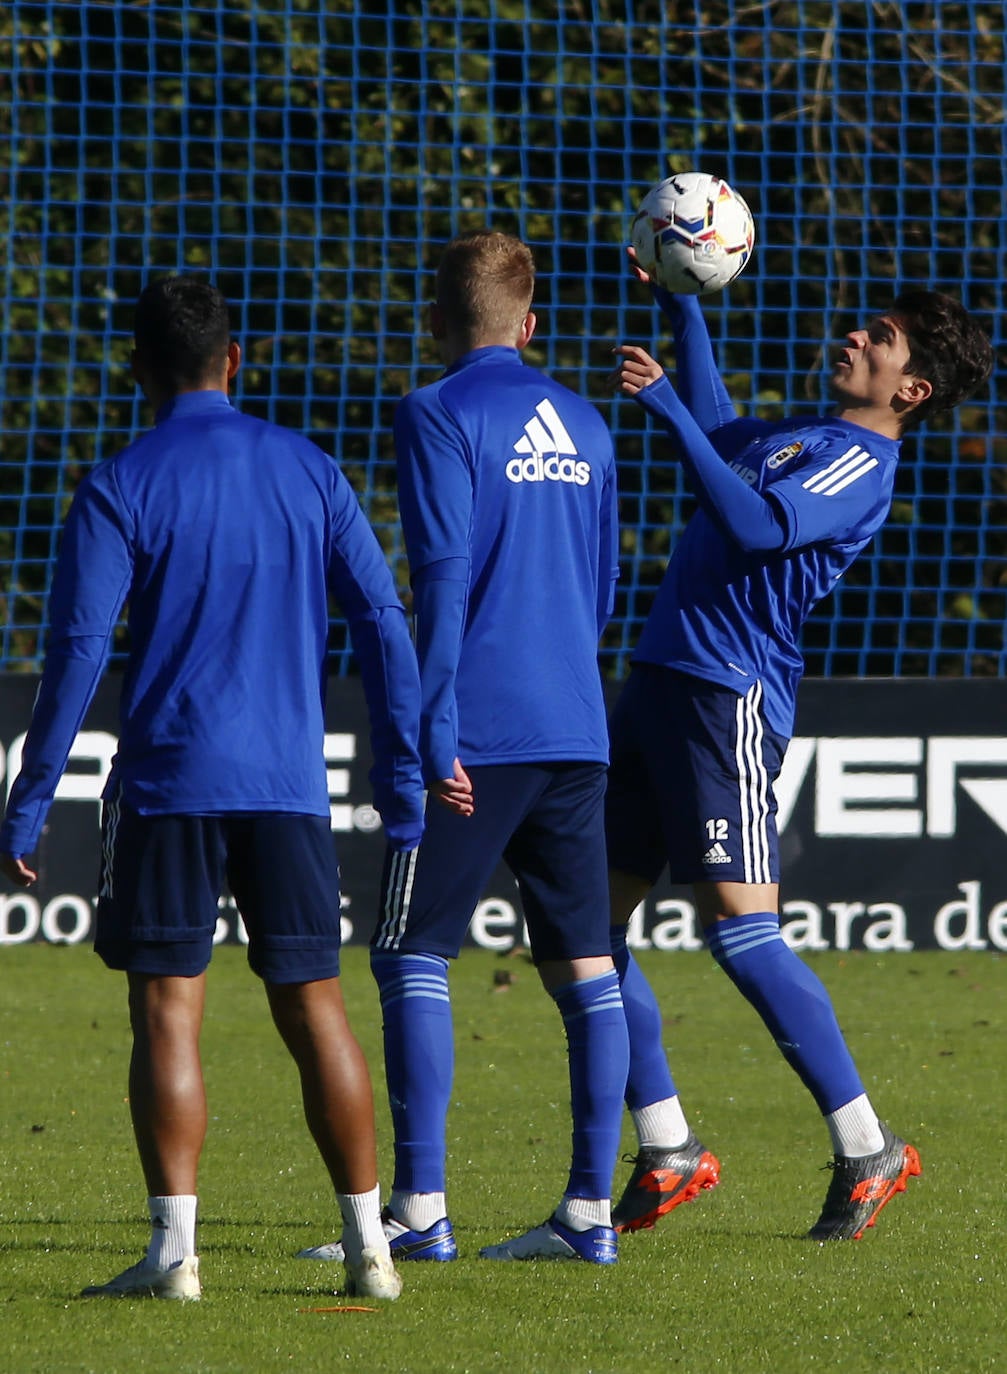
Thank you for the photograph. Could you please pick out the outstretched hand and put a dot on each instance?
(17, 871)
(636, 370)
(455, 792)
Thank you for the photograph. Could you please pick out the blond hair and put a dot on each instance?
(485, 282)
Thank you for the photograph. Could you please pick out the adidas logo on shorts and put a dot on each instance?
(716, 854)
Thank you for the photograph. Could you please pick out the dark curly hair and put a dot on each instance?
(947, 347)
(181, 330)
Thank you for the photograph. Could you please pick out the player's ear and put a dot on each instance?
(527, 330)
(915, 390)
(233, 360)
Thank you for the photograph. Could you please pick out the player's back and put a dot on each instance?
(231, 523)
(521, 476)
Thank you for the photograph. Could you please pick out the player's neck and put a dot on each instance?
(879, 419)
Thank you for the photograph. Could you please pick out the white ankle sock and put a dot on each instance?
(581, 1213)
(362, 1229)
(173, 1229)
(417, 1211)
(855, 1129)
(661, 1124)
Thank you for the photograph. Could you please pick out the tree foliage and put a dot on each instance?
(314, 158)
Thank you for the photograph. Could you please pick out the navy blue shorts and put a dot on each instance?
(691, 781)
(161, 877)
(546, 822)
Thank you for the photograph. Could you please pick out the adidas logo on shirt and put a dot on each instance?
(551, 453)
(716, 854)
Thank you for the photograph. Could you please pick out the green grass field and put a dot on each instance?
(726, 1283)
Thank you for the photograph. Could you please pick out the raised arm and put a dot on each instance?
(697, 378)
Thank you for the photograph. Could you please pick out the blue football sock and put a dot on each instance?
(791, 1000)
(419, 1063)
(598, 1047)
(649, 1077)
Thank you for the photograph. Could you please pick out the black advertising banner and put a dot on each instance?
(892, 815)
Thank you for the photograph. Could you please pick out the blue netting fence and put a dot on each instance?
(314, 159)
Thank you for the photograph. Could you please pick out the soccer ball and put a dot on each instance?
(692, 234)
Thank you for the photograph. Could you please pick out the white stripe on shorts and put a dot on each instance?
(111, 812)
(753, 787)
(395, 913)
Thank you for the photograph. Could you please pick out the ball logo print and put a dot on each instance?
(693, 234)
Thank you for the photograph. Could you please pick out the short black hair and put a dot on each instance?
(181, 330)
(947, 347)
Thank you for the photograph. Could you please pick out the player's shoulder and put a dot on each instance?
(823, 432)
(800, 442)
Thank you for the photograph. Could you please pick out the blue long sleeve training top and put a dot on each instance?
(508, 501)
(225, 535)
(785, 508)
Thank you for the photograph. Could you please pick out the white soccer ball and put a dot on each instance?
(693, 234)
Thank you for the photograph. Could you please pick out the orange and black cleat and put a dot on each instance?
(861, 1187)
(661, 1180)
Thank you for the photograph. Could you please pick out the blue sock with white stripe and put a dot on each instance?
(598, 1048)
(419, 1063)
(649, 1078)
(792, 1002)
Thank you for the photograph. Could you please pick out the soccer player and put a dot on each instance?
(700, 728)
(507, 496)
(225, 535)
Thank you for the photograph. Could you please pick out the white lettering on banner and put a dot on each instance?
(338, 749)
(880, 934)
(801, 925)
(965, 911)
(855, 794)
(495, 924)
(98, 747)
(944, 754)
(20, 918)
(796, 763)
(80, 916)
(677, 929)
(635, 938)
(64, 920)
(837, 787)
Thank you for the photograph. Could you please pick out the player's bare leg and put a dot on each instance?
(167, 1100)
(625, 893)
(720, 901)
(339, 1109)
(167, 1104)
(335, 1082)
